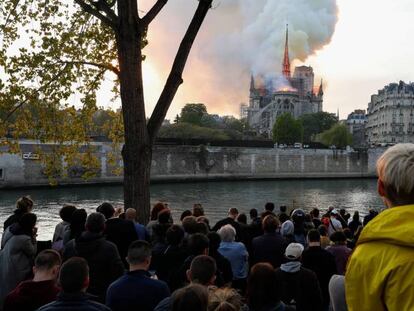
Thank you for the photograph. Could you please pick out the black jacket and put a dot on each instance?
(105, 265)
(270, 247)
(74, 302)
(224, 272)
(17, 214)
(166, 262)
(122, 233)
(302, 287)
(323, 264)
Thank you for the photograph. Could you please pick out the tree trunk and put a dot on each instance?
(137, 150)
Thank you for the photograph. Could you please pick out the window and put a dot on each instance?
(1, 174)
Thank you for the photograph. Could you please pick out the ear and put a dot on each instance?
(381, 188)
(85, 284)
(188, 274)
(212, 280)
(34, 270)
(56, 270)
(205, 251)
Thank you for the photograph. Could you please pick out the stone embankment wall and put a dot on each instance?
(188, 163)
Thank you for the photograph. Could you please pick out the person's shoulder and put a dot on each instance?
(307, 272)
(164, 305)
(96, 306)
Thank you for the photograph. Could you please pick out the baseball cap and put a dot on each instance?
(294, 251)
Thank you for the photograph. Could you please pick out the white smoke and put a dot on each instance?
(241, 37)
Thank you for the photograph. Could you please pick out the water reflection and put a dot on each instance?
(216, 197)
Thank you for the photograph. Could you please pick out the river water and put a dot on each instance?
(216, 197)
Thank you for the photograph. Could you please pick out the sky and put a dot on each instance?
(356, 46)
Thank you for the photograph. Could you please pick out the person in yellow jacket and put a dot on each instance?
(380, 272)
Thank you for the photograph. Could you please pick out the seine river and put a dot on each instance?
(216, 197)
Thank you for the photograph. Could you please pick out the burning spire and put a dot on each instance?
(286, 61)
(252, 84)
(320, 92)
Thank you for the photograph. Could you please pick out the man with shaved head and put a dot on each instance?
(142, 233)
(380, 272)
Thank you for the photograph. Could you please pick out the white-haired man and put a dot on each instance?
(380, 272)
(236, 253)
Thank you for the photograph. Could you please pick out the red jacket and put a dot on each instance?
(29, 295)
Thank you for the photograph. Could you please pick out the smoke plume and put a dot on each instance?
(239, 37)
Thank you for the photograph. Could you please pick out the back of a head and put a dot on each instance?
(158, 207)
(190, 224)
(138, 252)
(233, 212)
(314, 236)
(24, 204)
(47, 259)
(95, 223)
(185, 214)
(269, 206)
(395, 168)
(190, 298)
(355, 217)
(131, 214)
(214, 241)
(323, 231)
(338, 237)
(270, 224)
(73, 275)
(198, 210)
(242, 218)
(253, 213)
(66, 212)
(106, 209)
(262, 286)
(315, 212)
(283, 208)
(174, 235)
(227, 233)
(224, 299)
(164, 216)
(202, 269)
(198, 243)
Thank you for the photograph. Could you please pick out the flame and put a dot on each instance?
(286, 89)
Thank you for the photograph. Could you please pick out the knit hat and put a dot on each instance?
(294, 251)
(287, 228)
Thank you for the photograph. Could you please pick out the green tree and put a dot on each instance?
(338, 135)
(68, 48)
(193, 113)
(287, 130)
(315, 123)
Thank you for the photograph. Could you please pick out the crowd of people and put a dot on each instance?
(270, 260)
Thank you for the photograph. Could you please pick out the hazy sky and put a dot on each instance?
(371, 46)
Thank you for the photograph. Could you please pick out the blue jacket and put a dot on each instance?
(236, 253)
(74, 302)
(136, 291)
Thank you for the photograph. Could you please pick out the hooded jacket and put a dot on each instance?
(380, 272)
(16, 259)
(105, 265)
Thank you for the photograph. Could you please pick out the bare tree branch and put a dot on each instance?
(106, 8)
(175, 77)
(89, 9)
(102, 66)
(153, 12)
